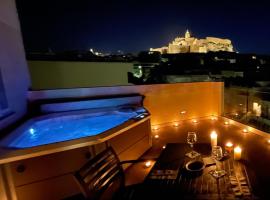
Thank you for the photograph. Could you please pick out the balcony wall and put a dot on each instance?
(63, 74)
(164, 101)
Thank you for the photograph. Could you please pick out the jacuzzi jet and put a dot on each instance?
(32, 131)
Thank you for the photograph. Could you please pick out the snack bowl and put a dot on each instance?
(195, 166)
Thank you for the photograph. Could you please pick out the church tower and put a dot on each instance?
(187, 34)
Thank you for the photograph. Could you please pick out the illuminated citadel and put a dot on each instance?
(189, 44)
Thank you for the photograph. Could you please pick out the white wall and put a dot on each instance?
(12, 62)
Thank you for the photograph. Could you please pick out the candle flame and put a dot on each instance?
(176, 124)
(194, 121)
(213, 118)
(155, 128)
(245, 130)
(229, 144)
(237, 149)
(148, 164)
(213, 134)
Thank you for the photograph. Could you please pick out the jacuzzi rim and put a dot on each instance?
(8, 139)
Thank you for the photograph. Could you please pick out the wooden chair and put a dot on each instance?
(103, 177)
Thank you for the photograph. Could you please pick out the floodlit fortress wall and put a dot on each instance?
(190, 44)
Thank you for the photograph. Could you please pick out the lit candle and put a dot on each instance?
(155, 128)
(268, 141)
(245, 130)
(213, 138)
(229, 147)
(237, 153)
(164, 147)
(213, 118)
(148, 164)
(226, 123)
(183, 112)
(156, 136)
(194, 121)
(175, 124)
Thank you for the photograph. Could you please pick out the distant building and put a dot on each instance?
(190, 44)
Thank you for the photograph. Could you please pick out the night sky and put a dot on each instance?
(132, 26)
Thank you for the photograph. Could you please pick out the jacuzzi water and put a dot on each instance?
(64, 128)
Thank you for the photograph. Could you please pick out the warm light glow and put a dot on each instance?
(237, 149)
(156, 136)
(176, 124)
(213, 118)
(229, 144)
(213, 136)
(229, 147)
(245, 130)
(226, 123)
(164, 147)
(236, 114)
(268, 141)
(194, 121)
(155, 128)
(183, 112)
(148, 164)
(257, 109)
(237, 153)
(240, 104)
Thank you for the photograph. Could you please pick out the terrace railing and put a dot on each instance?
(249, 106)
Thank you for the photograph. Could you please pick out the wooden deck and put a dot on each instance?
(235, 184)
(252, 169)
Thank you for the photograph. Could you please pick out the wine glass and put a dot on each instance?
(217, 155)
(192, 139)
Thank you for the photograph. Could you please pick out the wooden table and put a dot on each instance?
(168, 179)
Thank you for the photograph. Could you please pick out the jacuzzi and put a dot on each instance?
(75, 120)
(40, 156)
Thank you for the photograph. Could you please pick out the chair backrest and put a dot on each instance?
(99, 174)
